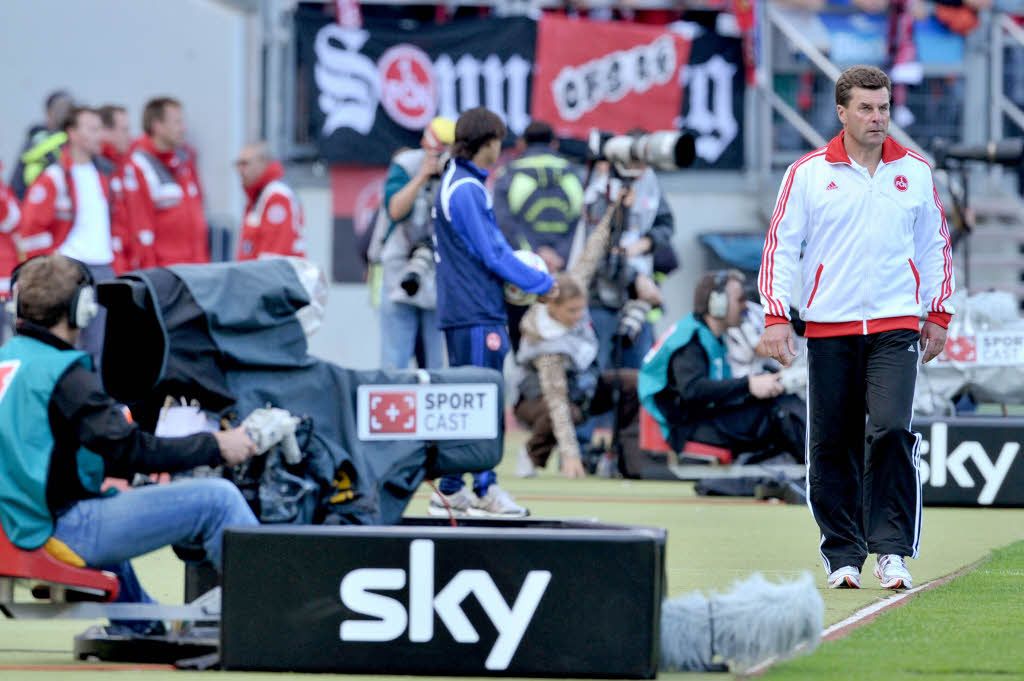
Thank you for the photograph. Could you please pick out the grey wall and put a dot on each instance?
(126, 51)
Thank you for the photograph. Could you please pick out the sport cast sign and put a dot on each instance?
(455, 411)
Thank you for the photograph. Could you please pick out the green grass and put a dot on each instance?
(711, 543)
(971, 628)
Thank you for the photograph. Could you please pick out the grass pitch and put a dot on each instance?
(971, 628)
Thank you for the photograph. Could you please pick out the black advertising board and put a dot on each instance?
(373, 90)
(529, 600)
(972, 461)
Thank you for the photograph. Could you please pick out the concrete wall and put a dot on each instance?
(124, 52)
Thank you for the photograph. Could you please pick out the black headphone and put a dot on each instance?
(82, 308)
(718, 299)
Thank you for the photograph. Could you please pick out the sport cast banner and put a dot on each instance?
(370, 91)
(617, 76)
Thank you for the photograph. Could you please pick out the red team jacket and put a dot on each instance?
(10, 214)
(49, 211)
(165, 204)
(273, 219)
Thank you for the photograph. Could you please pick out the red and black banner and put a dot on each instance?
(609, 75)
(370, 91)
(357, 193)
(366, 92)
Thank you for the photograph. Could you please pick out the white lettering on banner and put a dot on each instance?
(428, 412)
(410, 88)
(709, 93)
(578, 90)
(349, 82)
(1001, 348)
(940, 462)
(392, 618)
(986, 348)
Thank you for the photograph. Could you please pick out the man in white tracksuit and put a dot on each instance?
(877, 251)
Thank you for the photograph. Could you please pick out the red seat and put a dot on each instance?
(651, 440)
(39, 565)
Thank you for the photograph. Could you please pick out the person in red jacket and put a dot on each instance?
(10, 215)
(72, 209)
(162, 190)
(115, 142)
(273, 217)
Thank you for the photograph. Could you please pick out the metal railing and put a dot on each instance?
(1005, 33)
(773, 20)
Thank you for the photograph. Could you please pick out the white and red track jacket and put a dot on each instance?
(273, 218)
(877, 248)
(166, 206)
(10, 214)
(48, 213)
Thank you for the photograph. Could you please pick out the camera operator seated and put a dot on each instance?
(686, 383)
(627, 273)
(409, 294)
(61, 435)
(563, 383)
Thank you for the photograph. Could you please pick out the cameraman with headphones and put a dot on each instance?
(61, 435)
(686, 383)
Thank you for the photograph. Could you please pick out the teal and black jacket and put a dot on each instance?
(685, 378)
(61, 435)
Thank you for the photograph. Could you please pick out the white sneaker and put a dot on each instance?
(524, 465)
(846, 577)
(460, 503)
(497, 503)
(892, 572)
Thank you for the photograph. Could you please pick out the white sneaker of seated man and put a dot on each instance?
(846, 577)
(496, 503)
(892, 572)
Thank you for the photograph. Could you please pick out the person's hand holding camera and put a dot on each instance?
(764, 386)
(430, 166)
(235, 445)
(647, 290)
(641, 246)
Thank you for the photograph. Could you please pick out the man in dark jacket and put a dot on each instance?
(537, 203)
(61, 435)
(42, 144)
(687, 386)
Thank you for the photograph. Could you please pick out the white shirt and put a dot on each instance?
(89, 238)
(877, 246)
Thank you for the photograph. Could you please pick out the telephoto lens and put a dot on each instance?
(420, 262)
(631, 321)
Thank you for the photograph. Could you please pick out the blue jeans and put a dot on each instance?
(605, 322)
(479, 346)
(106, 532)
(400, 324)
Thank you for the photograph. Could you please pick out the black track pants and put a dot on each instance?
(865, 499)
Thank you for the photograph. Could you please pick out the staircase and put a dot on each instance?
(991, 257)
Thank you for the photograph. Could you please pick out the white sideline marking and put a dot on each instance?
(866, 615)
